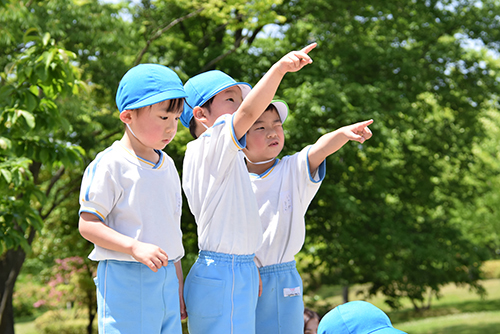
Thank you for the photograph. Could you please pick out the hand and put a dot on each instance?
(183, 308)
(151, 255)
(358, 131)
(260, 285)
(295, 60)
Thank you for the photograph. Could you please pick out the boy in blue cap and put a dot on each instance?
(284, 189)
(222, 287)
(130, 208)
(357, 317)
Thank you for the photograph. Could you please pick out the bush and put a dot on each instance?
(27, 297)
(64, 322)
(491, 269)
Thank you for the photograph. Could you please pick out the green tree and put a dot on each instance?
(384, 212)
(30, 130)
(43, 124)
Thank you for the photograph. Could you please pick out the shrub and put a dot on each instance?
(28, 299)
(64, 322)
(491, 269)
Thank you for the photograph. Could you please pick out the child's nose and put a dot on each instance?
(272, 133)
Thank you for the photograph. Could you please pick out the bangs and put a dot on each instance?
(176, 105)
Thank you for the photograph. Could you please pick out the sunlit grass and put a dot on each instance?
(25, 328)
(464, 323)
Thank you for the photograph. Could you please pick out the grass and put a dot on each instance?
(464, 323)
(458, 310)
(25, 328)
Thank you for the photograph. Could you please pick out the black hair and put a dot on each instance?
(192, 123)
(309, 314)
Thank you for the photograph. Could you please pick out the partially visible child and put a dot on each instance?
(311, 321)
(130, 208)
(357, 317)
(284, 189)
(221, 289)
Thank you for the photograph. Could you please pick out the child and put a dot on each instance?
(130, 209)
(221, 288)
(311, 321)
(284, 188)
(357, 317)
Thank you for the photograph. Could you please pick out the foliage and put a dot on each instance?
(63, 322)
(491, 269)
(27, 293)
(386, 213)
(69, 283)
(28, 117)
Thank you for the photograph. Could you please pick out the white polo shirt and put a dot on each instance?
(135, 197)
(219, 193)
(283, 194)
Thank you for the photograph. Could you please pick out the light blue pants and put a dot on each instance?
(221, 292)
(131, 298)
(280, 309)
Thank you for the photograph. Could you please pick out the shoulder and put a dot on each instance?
(109, 158)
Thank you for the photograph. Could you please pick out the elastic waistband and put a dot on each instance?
(130, 263)
(280, 267)
(207, 256)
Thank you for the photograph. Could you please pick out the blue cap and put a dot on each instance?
(203, 87)
(147, 84)
(357, 317)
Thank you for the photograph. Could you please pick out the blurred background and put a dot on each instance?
(409, 221)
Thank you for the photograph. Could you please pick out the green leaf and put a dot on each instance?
(30, 35)
(44, 155)
(30, 119)
(46, 39)
(6, 91)
(5, 143)
(7, 175)
(49, 56)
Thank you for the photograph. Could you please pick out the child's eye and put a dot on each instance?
(230, 99)
(177, 118)
(164, 117)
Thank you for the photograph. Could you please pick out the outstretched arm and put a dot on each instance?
(92, 229)
(262, 94)
(333, 141)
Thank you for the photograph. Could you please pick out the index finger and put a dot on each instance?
(365, 123)
(308, 48)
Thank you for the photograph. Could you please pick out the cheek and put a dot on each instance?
(254, 142)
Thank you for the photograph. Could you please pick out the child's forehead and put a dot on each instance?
(270, 114)
(230, 91)
(166, 106)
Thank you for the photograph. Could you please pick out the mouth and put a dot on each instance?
(274, 143)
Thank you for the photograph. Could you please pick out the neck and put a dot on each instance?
(259, 167)
(133, 144)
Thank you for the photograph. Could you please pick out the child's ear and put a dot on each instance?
(126, 116)
(199, 113)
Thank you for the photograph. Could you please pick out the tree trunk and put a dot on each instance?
(10, 266)
(345, 293)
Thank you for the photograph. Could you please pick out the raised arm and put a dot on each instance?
(262, 94)
(333, 141)
(92, 229)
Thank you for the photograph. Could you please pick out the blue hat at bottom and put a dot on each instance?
(203, 87)
(357, 317)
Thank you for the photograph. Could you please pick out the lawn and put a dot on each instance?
(457, 311)
(463, 323)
